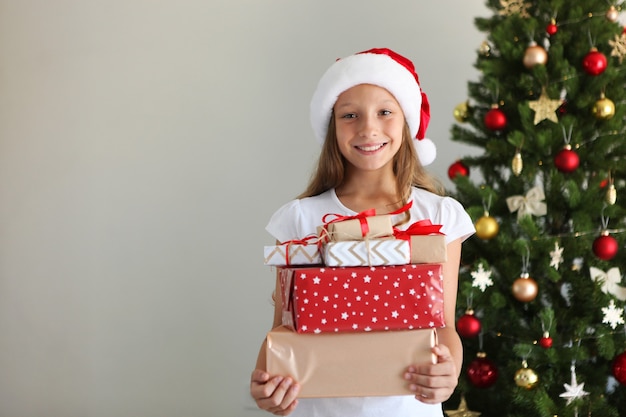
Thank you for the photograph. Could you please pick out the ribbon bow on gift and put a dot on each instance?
(312, 239)
(532, 203)
(421, 227)
(610, 281)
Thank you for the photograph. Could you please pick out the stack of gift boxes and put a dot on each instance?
(361, 301)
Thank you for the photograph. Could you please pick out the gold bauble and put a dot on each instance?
(517, 164)
(486, 227)
(484, 49)
(535, 55)
(526, 378)
(525, 288)
(612, 14)
(611, 195)
(461, 112)
(603, 109)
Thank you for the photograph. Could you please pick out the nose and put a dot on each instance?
(368, 126)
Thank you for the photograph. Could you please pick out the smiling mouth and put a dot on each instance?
(371, 148)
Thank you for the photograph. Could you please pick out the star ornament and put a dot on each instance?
(545, 108)
(462, 411)
(556, 256)
(619, 47)
(613, 315)
(573, 391)
(511, 7)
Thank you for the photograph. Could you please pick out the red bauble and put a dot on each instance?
(605, 247)
(545, 341)
(619, 368)
(594, 63)
(458, 168)
(468, 325)
(566, 160)
(552, 28)
(482, 372)
(495, 119)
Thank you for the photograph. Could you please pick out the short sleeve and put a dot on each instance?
(456, 223)
(283, 224)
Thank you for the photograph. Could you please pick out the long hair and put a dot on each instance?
(407, 169)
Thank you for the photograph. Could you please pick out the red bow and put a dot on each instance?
(422, 227)
(361, 217)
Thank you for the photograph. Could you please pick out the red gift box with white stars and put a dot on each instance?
(362, 299)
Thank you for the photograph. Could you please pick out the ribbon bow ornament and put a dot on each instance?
(531, 203)
(610, 282)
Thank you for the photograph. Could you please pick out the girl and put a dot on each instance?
(366, 111)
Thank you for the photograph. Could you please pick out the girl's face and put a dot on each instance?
(369, 124)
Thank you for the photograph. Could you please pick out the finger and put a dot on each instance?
(284, 396)
(264, 393)
(259, 376)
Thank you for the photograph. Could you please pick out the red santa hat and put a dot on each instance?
(384, 68)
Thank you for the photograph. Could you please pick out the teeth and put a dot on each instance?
(370, 148)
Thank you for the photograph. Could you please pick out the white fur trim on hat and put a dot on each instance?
(377, 69)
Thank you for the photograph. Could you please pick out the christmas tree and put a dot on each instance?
(542, 293)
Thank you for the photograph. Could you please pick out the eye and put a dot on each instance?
(385, 112)
(349, 116)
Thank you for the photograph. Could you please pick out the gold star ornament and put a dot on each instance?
(462, 411)
(511, 7)
(545, 108)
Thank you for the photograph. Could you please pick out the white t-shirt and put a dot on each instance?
(300, 218)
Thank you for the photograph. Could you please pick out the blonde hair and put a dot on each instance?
(409, 172)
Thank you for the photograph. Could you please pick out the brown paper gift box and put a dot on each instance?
(428, 249)
(348, 364)
(379, 226)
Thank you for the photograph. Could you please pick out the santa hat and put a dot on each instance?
(384, 68)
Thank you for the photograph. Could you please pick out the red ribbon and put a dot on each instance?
(304, 242)
(421, 227)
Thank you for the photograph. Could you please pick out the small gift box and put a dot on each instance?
(428, 244)
(364, 225)
(348, 364)
(373, 252)
(294, 252)
(362, 299)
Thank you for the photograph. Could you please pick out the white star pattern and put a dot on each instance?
(573, 391)
(399, 301)
(613, 315)
(556, 256)
(481, 278)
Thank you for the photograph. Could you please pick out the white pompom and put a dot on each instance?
(426, 150)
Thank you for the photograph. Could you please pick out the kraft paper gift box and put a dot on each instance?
(348, 364)
(372, 252)
(428, 244)
(304, 252)
(362, 299)
(370, 227)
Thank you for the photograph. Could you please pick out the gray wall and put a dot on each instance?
(143, 146)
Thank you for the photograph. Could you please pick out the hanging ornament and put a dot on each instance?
(545, 108)
(609, 281)
(481, 278)
(566, 160)
(545, 341)
(605, 246)
(458, 168)
(604, 108)
(495, 119)
(535, 55)
(618, 368)
(612, 14)
(484, 49)
(468, 325)
(613, 315)
(556, 256)
(574, 390)
(486, 227)
(482, 371)
(530, 204)
(618, 45)
(511, 7)
(461, 112)
(517, 164)
(525, 288)
(611, 192)
(594, 63)
(552, 28)
(526, 377)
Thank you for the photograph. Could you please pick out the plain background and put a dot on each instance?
(143, 146)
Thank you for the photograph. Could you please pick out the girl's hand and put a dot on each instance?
(433, 383)
(275, 394)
